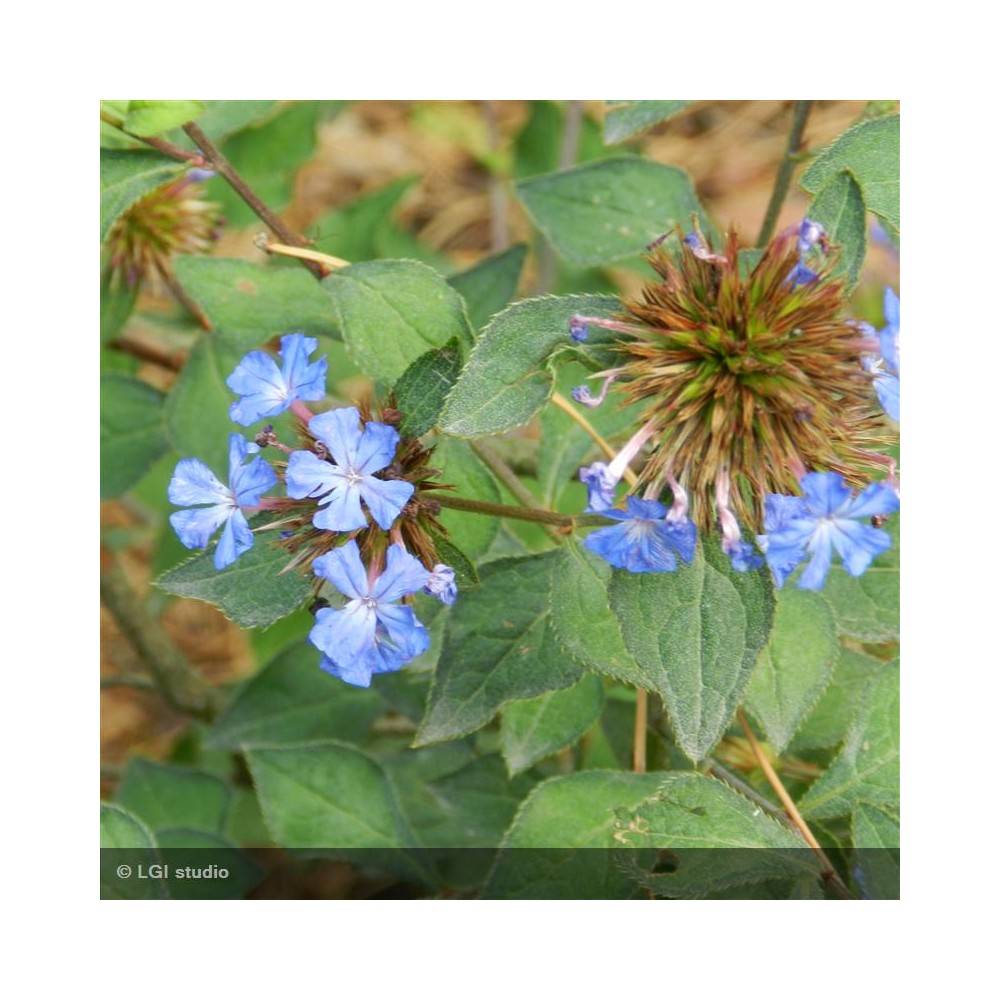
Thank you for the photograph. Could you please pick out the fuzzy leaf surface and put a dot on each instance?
(534, 728)
(626, 119)
(250, 592)
(128, 174)
(473, 534)
(795, 665)
(489, 285)
(292, 700)
(695, 634)
(840, 208)
(125, 838)
(506, 379)
(152, 117)
(876, 838)
(498, 647)
(610, 209)
(390, 312)
(163, 796)
(423, 387)
(870, 151)
(867, 768)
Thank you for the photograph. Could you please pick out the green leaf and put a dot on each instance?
(197, 408)
(127, 841)
(350, 230)
(573, 811)
(422, 388)
(581, 615)
(165, 796)
(867, 769)
(505, 381)
(251, 592)
(472, 533)
(292, 700)
(867, 606)
(795, 665)
(326, 794)
(133, 434)
(391, 311)
(267, 155)
(610, 209)
(629, 118)
(491, 284)
(220, 119)
(451, 555)
(128, 174)
(829, 721)
(537, 727)
(717, 839)
(870, 151)
(497, 648)
(197, 849)
(117, 302)
(251, 304)
(152, 117)
(876, 840)
(840, 209)
(538, 148)
(696, 634)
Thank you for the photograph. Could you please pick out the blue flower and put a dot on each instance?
(358, 453)
(889, 335)
(821, 522)
(265, 391)
(441, 584)
(810, 234)
(645, 542)
(578, 329)
(371, 634)
(742, 556)
(600, 483)
(193, 482)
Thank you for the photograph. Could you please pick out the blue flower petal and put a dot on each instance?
(441, 584)
(340, 509)
(857, 544)
(344, 569)
(890, 307)
(600, 486)
(376, 447)
(304, 380)
(261, 388)
(825, 492)
(651, 510)
(683, 536)
(340, 431)
(887, 390)
(879, 498)
(403, 636)
(196, 526)
(403, 574)
(357, 673)
(385, 498)
(236, 539)
(347, 638)
(779, 510)
(743, 557)
(194, 482)
(638, 545)
(821, 551)
(248, 482)
(308, 475)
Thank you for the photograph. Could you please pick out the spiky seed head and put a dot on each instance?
(747, 372)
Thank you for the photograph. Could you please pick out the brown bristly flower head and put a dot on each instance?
(752, 377)
(172, 219)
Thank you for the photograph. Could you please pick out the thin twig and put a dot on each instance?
(137, 681)
(783, 179)
(180, 683)
(152, 353)
(325, 260)
(567, 407)
(170, 280)
(639, 731)
(723, 773)
(499, 229)
(216, 161)
(829, 872)
(175, 152)
(518, 513)
(568, 151)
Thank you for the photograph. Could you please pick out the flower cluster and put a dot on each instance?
(353, 510)
(763, 412)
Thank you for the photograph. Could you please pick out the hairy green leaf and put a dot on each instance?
(422, 388)
(867, 768)
(696, 634)
(128, 174)
(491, 284)
(126, 840)
(609, 209)
(391, 311)
(498, 647)
(350, 230)
(537, 727)
(870, 152)
(292, 700)
(117, 302)
(795, 665)
(506, 379)
(563, 820)
(839, 207)
(626, 119)
(133, 434)
(876, 838)
(163, 795)
(716, 838)
(251, 304)
(461, 468)
(251, 592)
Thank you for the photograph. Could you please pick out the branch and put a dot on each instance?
(785, 170)
(518, 513)
(182, 686)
